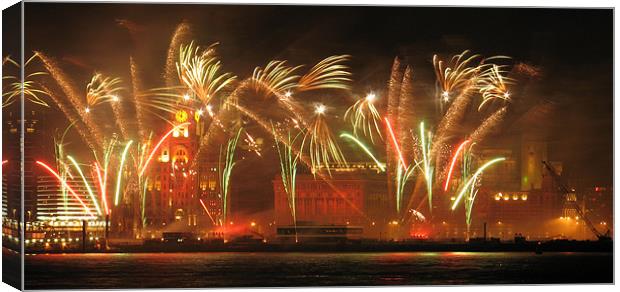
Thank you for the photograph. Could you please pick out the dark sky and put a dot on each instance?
(573, 49)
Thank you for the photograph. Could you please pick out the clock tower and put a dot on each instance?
(172, 198)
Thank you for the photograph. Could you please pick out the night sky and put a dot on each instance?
(572, 48)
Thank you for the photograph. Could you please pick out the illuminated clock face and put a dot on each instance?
(181, 116)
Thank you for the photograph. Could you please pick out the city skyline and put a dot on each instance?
(274, 128)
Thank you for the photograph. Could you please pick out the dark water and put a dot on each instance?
(312, 269)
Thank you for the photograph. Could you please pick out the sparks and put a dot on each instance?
(119, 175)
(400, 154)
(361, 145)
(454, 158)
(473, 178)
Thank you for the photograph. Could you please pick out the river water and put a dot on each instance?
(227, 269)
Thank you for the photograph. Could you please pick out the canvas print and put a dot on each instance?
(212, 146)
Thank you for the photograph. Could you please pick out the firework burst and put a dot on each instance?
(30, 87)
(324, 151)
(493, 86)
(200, 71)
(365, 118)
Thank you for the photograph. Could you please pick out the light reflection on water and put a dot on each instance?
(312, 269)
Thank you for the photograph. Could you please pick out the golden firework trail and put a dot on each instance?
(365, 118)
(180, 35)
(489, 125)
(31, 89)
(275, 77)
(322, 148)
(102, 89)
(405, 113)
(136, 86)
(200, 72)
(75, 120)
(73, 96)
(493, 86)
(328, 73)
(455, 77)
(393, 158)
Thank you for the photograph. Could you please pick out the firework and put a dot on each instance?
(364, 117)
(454, 158)
(275, 77)
(322, 147)
(493, 86)
(143, 205)
(102, 189)
(469, 203)
(102, 89)
(88, 188)
(405, 114)
(64, 184)
(136, 86)
(359, 143)
(200, 72)
(119, 176)
(31, 89)
(469, 183)
(288, 170)
(456, 77)
(180, 35)
(393, 90)
(74, 98)
(146, 162)
(225, 174)
(426, 164)
(329, 73)
(489, 125)
(402, 177)
(395, 143)
(419, 216)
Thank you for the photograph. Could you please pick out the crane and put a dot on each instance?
(563, 188)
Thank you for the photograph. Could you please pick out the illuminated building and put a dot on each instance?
(174, 190)
(355, 195)
(55, 205)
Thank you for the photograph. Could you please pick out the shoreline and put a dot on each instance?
(533, 247)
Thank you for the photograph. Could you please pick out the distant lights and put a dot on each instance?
(87, 110)
(288, 94)
(115, 98)
(186, 97)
